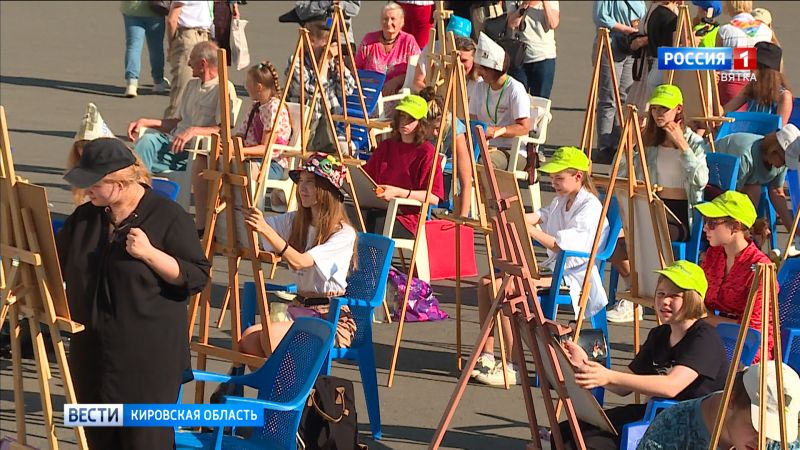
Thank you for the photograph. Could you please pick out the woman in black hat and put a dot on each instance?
(130, 258)
(767, 91)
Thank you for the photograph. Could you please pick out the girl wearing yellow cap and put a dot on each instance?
(681, 359)
(729, 260)
(568, 223)
(676, 162)
(401, 166)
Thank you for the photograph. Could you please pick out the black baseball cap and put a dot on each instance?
(768, 55)
(100, 157)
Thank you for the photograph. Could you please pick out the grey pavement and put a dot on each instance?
(57, 56)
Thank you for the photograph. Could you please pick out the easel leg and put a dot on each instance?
(16, 365)
(526, 385)
(66, 377)
(42, 366)
(636, 339)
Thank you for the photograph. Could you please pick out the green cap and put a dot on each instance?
(566, 158)
(730, 204)
(666, 95)
(413, 105)
(686, 275)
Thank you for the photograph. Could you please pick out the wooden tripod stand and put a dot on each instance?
(603, 47)
(766, 281)
(507, 217)
(34, 289)
(225, 186)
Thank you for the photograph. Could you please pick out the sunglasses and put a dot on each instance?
(711, 224)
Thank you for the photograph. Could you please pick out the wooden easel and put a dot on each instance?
(630, 141)
(457, 107)
(34, 289)
(603, 48)
(520, 274)
(766, 280)
(697, 86)
(224, 186)
(436, 56)
(792, 234)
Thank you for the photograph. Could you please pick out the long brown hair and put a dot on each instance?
(332, 218)
(765, 88)
(421, 133)
(653, 135)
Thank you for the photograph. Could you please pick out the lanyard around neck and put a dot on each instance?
(499, 98)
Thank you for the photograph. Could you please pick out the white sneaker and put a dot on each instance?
(495, 376)
(622, 312)
(131, 89)
(162, 87)
(484, 365)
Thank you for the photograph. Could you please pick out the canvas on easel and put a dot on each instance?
(365, 188)
(32, 289)
(766, 281)
(526, 317)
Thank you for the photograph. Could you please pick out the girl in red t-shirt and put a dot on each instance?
(730, 261)
(401, 166)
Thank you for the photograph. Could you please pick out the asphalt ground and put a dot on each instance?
(57, 56)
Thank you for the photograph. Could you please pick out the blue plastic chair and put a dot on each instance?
(723, 170)
(729, 332)
(448, 166)
(633, 432)
(58, 224)
(283, 383)
(366, 288)
(690, 250)
(789, 311)
(794, 189)
(371, 86)
(794, 117)
(167, 188)
(750, 122)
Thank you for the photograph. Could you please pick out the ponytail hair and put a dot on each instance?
(264, 73)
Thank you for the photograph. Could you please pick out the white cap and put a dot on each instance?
(789, 140)
(92, 125)
(489, 54)
(791, 395)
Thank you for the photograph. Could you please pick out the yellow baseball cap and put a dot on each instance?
(413, 105)
(730, 204)
(686, 275)
(666, 95)
(566, 158)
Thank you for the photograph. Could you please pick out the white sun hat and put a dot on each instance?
(489, 54)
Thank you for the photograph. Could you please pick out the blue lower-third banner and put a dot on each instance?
(170, 415)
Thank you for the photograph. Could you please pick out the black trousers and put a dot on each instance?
(597, 439)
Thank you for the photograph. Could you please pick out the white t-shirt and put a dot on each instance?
(331, 258)
(540, 38)
(196, 14)
(501, 107)
(199, 105)
(743, 31)
(670, 168)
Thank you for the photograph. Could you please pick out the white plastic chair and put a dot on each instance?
(540, 119)
(422, 264)
(294, 145)
(408, 83)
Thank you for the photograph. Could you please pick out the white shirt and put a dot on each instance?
(196, 14)
(540, 38)
(670, 167)
(575, 230)
(501, 107)
(199, 105)
(331, 258)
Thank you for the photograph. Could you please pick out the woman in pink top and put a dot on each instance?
(388, 50)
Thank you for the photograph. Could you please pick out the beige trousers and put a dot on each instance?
(178, 58)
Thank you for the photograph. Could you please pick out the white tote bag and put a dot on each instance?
(240, 55)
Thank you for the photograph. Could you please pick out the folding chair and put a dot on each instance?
(540, 120)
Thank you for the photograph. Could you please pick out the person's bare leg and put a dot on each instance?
(485, 300)
(200, 188)
(252, 344)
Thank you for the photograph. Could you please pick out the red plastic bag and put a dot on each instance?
(441, 236)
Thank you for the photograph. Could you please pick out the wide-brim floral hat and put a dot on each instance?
(325, 166)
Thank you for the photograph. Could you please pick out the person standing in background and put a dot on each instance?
(141, 23)
(419, 19)
(622, 19)
(539, 66)
(224, 13)
(188, 23)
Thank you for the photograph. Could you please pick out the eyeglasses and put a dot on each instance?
(714, 223)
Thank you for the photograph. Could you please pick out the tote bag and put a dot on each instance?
(240, 54)
(441, 236)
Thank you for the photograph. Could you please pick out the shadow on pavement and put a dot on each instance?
(71, 86)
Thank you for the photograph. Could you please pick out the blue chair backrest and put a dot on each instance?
(729, 332)
(167, 188)
(723, 170)
(750, 122)
(58, 224)
(476, 148)
(614, 228)
(371, 86)
(789, 293)
(794, 118)
(632, 433)
(289, 374)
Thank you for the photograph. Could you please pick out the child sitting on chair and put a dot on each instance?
(682, 359)
(690, 424)
(401, 166)
(317, 241)
(568, 223)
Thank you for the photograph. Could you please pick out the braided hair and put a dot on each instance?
(264, 73)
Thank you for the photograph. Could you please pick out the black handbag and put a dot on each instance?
(510, 40)
(329, 418)
(159, 7)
